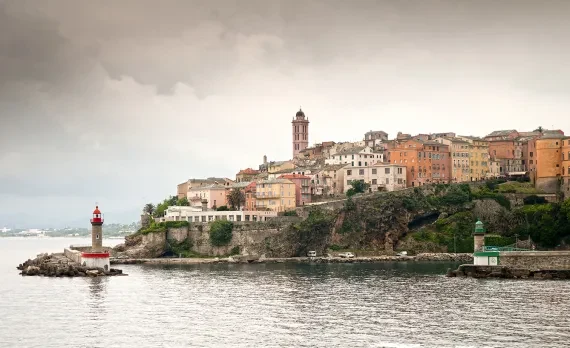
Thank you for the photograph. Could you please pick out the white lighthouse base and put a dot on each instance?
(95, 260)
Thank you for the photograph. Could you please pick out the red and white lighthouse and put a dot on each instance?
(97, 257)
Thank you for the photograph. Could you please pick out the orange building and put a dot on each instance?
(250, 200)
(426, 161)
(549, 163)
(566, 167)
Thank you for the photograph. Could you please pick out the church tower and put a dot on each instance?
(300, 132)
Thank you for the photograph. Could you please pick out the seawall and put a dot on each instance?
(536, 260)
(440, 257)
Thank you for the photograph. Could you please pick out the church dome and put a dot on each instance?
(300, 113)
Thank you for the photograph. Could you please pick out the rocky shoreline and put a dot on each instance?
(58, 265)
(450, 257)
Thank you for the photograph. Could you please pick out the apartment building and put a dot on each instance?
(379, 177)
(276, 195)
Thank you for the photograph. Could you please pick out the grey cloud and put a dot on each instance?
(122, 100)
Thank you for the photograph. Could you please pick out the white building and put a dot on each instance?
(380, 177)
(193, 214)
(361, 156)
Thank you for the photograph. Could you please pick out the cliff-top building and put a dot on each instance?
(300, 126)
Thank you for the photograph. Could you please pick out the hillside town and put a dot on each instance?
(328, 170)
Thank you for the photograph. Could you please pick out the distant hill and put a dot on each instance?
(27, 220)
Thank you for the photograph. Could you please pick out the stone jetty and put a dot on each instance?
(59, 265)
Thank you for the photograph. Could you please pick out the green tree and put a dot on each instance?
(221, 232)
(222, 208)
(183, 202)
(539, 129)
(236, 198)
(358, 186)
(149, 209)
(172, 201)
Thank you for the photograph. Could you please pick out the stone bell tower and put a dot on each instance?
(300, 132)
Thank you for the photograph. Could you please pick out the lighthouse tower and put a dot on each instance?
(96, 257)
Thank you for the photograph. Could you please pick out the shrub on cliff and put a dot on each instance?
(313, 232)
(221, 232)
(534, 199)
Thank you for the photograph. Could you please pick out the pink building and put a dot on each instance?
(214, 194)
(302, 187)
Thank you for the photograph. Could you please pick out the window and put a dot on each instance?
(386, 170)
(349, 172)
(373, 171)
(387, 181)
(400, 181)
(531, 154)
(361, 172)
(400, 170)
(348, 182)
(196, 219)
(359, 164)
(374, 181)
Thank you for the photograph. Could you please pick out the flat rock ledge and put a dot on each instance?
(58, 265)
(506, 272)
(262, 259)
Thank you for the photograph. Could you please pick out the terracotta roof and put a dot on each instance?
(248, 171)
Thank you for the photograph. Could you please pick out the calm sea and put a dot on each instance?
(285, 305)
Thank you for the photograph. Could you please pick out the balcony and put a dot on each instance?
(267, 195)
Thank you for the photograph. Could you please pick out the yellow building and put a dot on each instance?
(278, 166)
(478, 158)
(276, 194)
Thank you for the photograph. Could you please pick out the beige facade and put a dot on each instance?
(276, 195)
(361, 156)
(278, 166)
(494, 169)
(380, 177)
(329, 180)
(460, 162)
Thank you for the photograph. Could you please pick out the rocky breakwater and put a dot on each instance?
(506, 272)
(58, 265)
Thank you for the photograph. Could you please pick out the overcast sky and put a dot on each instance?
(116, 102)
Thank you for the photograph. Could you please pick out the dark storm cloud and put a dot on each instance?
(124, 99)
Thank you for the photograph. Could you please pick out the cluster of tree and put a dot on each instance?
(159, 209)
(358, 186)
(547, 224)
(236, 199)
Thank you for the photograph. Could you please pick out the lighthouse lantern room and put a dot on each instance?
(97, 257)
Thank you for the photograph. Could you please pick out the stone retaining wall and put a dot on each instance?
(536, 260)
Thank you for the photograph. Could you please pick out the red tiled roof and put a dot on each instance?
(248, 171)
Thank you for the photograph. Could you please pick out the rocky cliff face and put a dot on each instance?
(380, 222)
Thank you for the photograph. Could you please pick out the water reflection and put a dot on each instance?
(282, 305)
